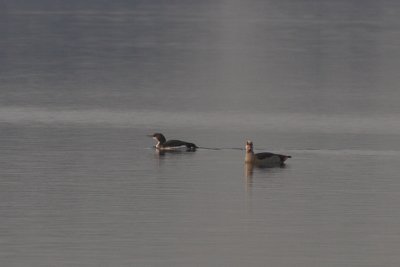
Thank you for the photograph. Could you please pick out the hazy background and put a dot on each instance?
(83, 82)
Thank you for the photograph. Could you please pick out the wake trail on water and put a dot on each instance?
(361, 152)
(220, 148)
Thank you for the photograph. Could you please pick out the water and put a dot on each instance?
(82, 84)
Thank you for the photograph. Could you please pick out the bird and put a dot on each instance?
(163, 144)
(264, 159)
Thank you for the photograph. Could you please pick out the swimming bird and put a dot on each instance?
(264, 159)
(163, 144)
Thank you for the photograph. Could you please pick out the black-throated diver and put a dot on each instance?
(264, 159)
(163, 144)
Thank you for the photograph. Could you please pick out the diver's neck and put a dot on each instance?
(158, 145)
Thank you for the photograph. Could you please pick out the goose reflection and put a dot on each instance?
(248, 170)
(248, 176)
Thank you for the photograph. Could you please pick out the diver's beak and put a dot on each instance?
(149, 135)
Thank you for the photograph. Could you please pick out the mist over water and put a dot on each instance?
(83, 83)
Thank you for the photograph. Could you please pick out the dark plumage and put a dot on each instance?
(266, 155)
(163, 144)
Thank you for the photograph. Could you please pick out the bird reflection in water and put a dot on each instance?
(162, 153)
(250, 168)
(248, 174)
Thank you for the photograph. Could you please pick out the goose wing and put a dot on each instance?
(265, 155)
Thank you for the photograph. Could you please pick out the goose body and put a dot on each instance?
(264, 159)
(164, 144)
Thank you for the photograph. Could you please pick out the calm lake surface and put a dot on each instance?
(82, 84)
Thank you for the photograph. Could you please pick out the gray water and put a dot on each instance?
(82, 84)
